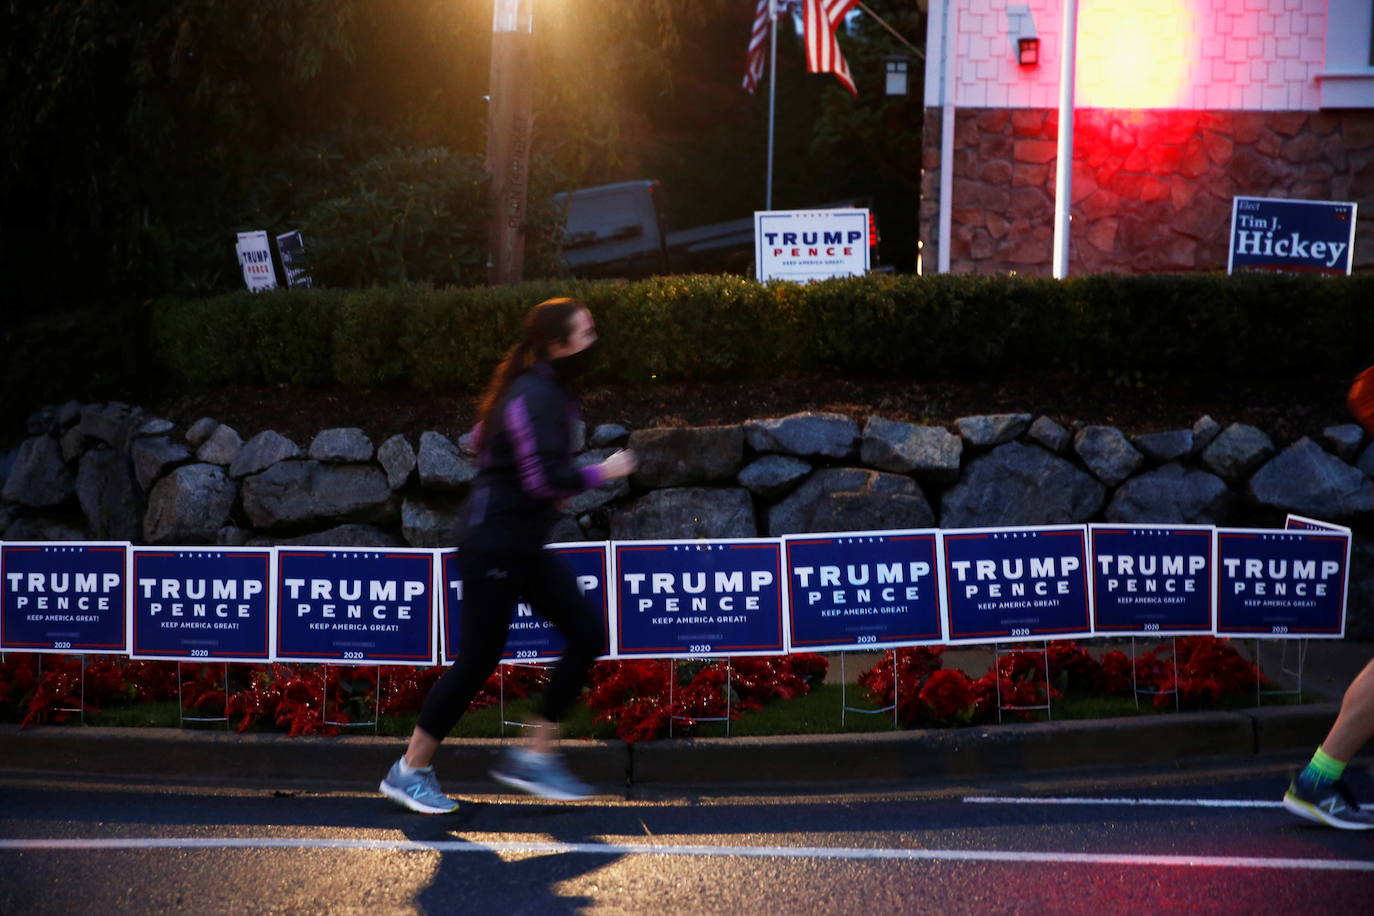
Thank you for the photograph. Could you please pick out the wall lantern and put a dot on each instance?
(1028, 51)
(897, 68)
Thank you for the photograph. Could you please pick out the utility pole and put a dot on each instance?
(510, 122)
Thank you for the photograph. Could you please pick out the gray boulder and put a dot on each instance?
(350, 535)
(1018, 484)
(42, 421)
(567, 530)
(467, 443)
(302, 493)
(770, 476)
(1050, 435)
(595, 498)
(1172, 495)
(67, 414)
(1344, 440)
(39, 478)
(153, 457)
(261, 452)
(1205, 431)
(397, 458)
(200, 431)
(1161, 448)
(687, 512)
(810, 434)
(430, 521)
(109, 496)
(1367, 461)
(851, 499)
(1237, 452)
(578, 435)
(73, 443)
(441, 466)
(679, 457)
(608, 434)
(232, 536)
(222, 447)
(930, 452)
(1107, 453)
(341, 446)
(113, 424)
(155, 426)
(189, 506)
(992, 429)
(1308, 480)
(43, 528)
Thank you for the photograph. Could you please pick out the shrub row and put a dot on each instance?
(716, 327)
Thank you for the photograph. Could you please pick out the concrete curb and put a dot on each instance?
(811, 759)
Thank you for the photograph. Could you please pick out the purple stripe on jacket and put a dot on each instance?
(530, 469)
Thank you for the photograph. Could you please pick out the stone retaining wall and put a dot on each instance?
(1152, 190)
(110, 471)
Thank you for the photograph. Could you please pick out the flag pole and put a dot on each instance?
(772, 94)
(1063, 167)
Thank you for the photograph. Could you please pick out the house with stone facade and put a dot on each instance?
(1180, 105)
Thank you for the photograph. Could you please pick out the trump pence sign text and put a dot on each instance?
(64, 597)
(361, 605)
(202, 602)
(878, 589)
(699, 598)
(806, 245)
(1017, 583)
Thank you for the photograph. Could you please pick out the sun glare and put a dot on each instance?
(1134, 54)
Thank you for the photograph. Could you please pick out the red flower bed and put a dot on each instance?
(633, 696)
(1209, 670)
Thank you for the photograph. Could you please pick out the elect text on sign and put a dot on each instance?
(1300, 236)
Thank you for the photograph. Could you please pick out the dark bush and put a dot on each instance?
(708, 328)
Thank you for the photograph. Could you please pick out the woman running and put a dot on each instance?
(525, 469)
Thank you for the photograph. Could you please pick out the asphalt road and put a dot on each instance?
(1144, 841)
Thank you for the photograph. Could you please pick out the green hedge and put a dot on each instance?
(711, 327)
(717, 327)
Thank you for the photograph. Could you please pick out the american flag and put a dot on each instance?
(758, 40)
(823, 18)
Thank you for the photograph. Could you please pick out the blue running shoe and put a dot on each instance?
(1332, 805)
(418, 790)
(540, 774)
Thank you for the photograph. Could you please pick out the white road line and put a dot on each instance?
(1142, 802)
(668, 849)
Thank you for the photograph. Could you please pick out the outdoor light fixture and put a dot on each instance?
(897, 69)
(1028, 51)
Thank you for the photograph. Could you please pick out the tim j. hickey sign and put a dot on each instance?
(1291, 236)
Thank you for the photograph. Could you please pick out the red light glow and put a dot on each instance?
(1134, 54)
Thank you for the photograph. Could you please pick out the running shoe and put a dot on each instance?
(1331, 804)
(539, 774)
(418, 790)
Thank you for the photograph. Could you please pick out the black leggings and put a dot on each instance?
(493, 581)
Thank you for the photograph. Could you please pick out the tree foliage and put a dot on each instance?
(137, 137)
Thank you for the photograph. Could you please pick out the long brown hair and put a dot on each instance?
(548, 322)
